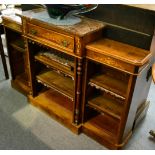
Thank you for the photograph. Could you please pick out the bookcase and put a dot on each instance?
(17, 54)
(115, 74)
(80, 76)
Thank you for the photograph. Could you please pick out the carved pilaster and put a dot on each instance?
(24, 26)
(78, 91)
(27, 62)
(78, 42)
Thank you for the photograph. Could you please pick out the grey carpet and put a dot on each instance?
(15, 137)
(23, 126)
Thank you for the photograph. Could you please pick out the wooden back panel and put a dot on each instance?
(133, 25)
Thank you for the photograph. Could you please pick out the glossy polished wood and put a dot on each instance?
(63, 50)
(11, 23)
(58, 82)
(106, 105)
(118, 50)
(17, 54)
(56, 65)
(73, 36)
(90, 77)
(119, 55)
(132, 65)
(59, 40)
(56, 105)
(111, 83)
(103, 129)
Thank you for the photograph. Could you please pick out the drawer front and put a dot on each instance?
(12, 25)
(51, 37)
(109, 61)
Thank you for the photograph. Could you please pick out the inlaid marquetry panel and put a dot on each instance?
(56, 39)
(110, 61)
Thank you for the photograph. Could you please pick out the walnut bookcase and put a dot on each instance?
(84, 80)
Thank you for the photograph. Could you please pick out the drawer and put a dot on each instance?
(109, 61)
(51, 38)
(12, 25)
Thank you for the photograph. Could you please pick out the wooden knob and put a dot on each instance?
(34, 32)
(65, 43)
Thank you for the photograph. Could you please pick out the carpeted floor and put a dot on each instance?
(23, 126)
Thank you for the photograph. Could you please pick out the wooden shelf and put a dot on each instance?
(109, 83)
(103, 126)
(106, 105)
(57, 106)
(54, 64)
(62, 84)
(53, 102)
(18, 45)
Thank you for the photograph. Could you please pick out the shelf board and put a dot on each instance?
(54, 64)
(106, 105)
(103, 126)
(62, 84)
(54, 103)
(57, 106)
(109, 83)
(18, 45)
(124, 52)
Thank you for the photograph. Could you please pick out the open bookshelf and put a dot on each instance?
(61, 83)
(106, 105)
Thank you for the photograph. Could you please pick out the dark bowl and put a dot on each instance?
(60, 11)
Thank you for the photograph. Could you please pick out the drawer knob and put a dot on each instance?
(34, 32)
(65, 43)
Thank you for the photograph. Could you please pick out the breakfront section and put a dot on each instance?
(115, 80)
(53, 76)
(56, 65)
(17, 54)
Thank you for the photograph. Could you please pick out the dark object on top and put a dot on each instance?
(59, 11)
(25, 7)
